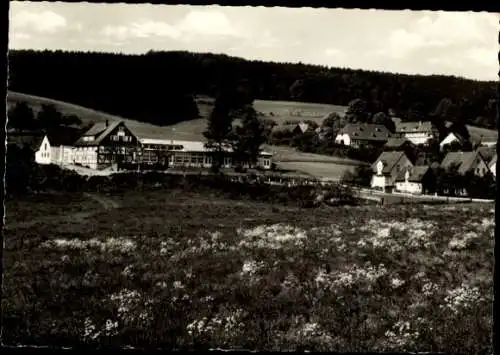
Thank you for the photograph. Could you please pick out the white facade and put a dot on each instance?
(343, 139)
(481, 168)
(85, 156)
(493, 169)
(407, 186)
(44, 154)
(418, 138)
(450, 138)
(62, 155)
(380, 180)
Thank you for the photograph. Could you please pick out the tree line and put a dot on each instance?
(159, 87)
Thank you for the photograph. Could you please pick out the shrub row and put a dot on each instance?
(52, 177)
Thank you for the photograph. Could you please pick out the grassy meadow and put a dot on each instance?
(195, 270)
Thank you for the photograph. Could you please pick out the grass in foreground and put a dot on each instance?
(195, 270)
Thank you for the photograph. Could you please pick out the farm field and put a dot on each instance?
(282, 111)
(321, 170)
(184, 269)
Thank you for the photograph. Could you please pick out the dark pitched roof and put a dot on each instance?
(414, 126)
(478, 134)
(390, 159)
(98, 132)
(366, 131)
(417, 173)
(464, 160)
(396, 142)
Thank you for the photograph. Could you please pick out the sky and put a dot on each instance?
(413, 42)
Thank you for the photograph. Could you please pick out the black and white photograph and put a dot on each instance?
(192, 177)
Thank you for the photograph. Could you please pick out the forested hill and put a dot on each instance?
(158, 87)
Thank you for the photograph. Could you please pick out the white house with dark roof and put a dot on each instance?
(386, 169)
(362, 134)
(418, 132)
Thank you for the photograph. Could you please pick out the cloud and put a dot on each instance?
(208, 23)
(334, 52)
(43, 22)
(195, 24)
(440, 30)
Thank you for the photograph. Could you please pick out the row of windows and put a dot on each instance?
(162, 147)
(120, 138)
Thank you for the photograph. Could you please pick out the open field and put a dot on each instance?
(321, 170)
(282, 111)
(184, 269)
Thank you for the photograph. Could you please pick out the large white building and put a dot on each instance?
(181, 153)
(106, 144)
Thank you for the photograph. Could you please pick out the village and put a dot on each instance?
(109, 147)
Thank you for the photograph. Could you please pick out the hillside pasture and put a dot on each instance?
(282, 111)
(189, 270)
(320, 170)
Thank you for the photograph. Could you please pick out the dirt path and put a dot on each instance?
(106, 202)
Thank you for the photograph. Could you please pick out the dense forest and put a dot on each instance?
(159, 87)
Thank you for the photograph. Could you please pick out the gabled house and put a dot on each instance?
(418, 132)
(105, 144)
(452, 138)
(362, 134)
(416, 180)
(466, 162)
(54, 149)
(493, 165)
(386, 169)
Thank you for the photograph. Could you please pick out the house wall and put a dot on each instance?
(86, 156)
(480, 168)
(379, 181)
(62, 155)
(44, 154)
(409, 187)
(450, 138)
(418, 138)
(343, 139)
(493, 169)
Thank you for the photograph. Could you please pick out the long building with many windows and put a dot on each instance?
(108, 144)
